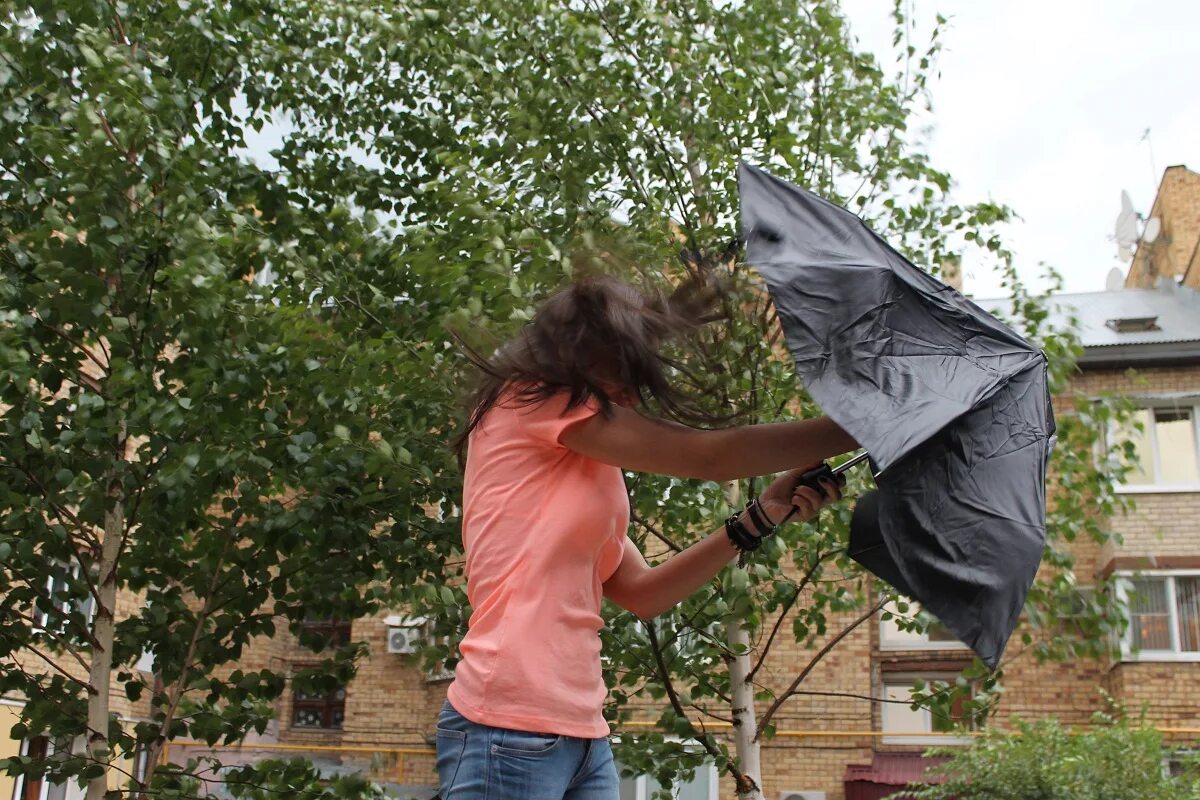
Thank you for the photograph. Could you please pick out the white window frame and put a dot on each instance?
(922, 738)
(924, 643)
(642, 789)
(71, 789)
(1176, 756)
(1174, 654)
(140, 760)
(73, 568)
(1150, 404)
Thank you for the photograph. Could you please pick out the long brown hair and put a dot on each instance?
(595, 331)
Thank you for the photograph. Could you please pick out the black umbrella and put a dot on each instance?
(951, 404)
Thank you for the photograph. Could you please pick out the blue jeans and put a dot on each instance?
(479, 762)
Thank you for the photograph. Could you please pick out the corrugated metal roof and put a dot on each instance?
(1175, 309)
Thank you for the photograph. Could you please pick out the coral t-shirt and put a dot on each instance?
(543, 529)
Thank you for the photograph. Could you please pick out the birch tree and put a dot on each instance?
(228, 453)
(616, 128)
(238, 451)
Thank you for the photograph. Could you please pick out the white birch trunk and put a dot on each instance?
(100, 672)
(745, 721)
(742, 694)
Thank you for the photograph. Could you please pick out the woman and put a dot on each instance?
(544, 516)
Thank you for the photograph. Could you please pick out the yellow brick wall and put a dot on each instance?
(1169, 693)
(1177, 204)
(1162, 523)
(819, 762)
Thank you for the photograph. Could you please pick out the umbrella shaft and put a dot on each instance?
(858, 459)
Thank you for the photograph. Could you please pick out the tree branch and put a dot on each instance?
(127, 153)
(662, 537)
(124, 38)
(676, 182)
(59, 640)
(599, 121)
(791, 690)
(66, 515)
(27, 646)
(762, 656)
(708, 713)
(34, 586)
(82, 348)
(181, 683)
(700, 736)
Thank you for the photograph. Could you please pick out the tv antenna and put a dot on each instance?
(1150, 146)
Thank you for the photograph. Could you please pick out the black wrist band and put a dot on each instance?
(763, 511)
(741, 538)
(759, 518)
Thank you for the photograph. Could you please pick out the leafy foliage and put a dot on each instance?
(236, 455)
(269, 451)
(296, 778)
(1115, 760)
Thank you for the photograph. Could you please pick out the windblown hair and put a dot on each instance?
(593, 332)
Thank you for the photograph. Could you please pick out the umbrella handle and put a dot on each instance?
(813, 478)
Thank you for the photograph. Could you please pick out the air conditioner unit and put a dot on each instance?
(404, 641)
(801, 794)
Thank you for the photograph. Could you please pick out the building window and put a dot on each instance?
(28, 788)
(324, 634)
(64, 587)
(702, 786)
(1164, 616)
(902, 724)
(896, 629)
(40, 748)
(316, 709)
(319, 710)
(1167, 448)
(1182, 763)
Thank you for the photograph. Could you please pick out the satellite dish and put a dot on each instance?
(1115, 280)
(1126, 229)
(1152, 229)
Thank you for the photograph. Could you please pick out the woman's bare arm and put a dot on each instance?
(631, 441)
(648, 591)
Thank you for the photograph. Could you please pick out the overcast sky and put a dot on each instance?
(1042, 104)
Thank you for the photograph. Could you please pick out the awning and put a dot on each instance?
(887, 774)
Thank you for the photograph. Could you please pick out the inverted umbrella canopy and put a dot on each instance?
(952, 405)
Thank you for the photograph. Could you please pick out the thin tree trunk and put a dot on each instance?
(744, 724)
(100, 672)
(746, 745)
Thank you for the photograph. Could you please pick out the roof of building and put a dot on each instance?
(1129, 324)
(896, 769)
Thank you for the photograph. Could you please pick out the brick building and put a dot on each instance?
(126, 710)
(849, 745)
(1142, 342)
(1174, 253)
